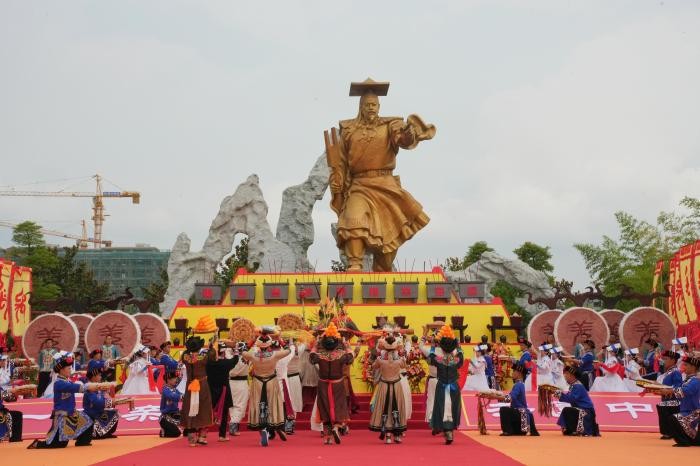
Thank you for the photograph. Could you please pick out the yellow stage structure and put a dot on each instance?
(416, 299)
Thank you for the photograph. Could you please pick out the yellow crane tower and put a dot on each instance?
(98, 196)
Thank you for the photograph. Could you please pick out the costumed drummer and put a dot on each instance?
(579, 418)
(10, 420)
(100, 408)
(684, 424)
(448, 358)
(169, 411)
(669, 404)
(68, 423)
(517, 419)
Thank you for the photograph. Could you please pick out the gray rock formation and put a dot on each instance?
(243, 212)
(295, 226)
(493, 267)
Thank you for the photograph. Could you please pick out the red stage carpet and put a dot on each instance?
(360, 447)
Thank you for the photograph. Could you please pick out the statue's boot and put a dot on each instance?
(384, 262)
(355, 251)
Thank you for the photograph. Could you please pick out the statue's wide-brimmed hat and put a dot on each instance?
(369, 85)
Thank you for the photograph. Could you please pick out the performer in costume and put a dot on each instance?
(294, 383)
(5, 375)
(684, 424)
(490, 370)
(502, 363)
(585, 364)
(196, 411)
(10, 420)
(632, 370)
(46, 363)
(525, 354)
(447, 358)
(282, 378)
(611, 380)
(167, 361)
(558, 369)
(669, 404)
(100, 408)
(240, 391)
(389, 410)
(218, 378)
(543, 368)
(477, 370)
(68, 423)
(169, 411)
(137, 381)
(266, 403)
(110, 353)
(427, 347)
(579, 418)
(154, 360)
(517, 419)
(331, 354)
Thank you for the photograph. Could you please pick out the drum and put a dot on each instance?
(639, 323)
(574, 322)
(541, 325)
(154, 331)
(613, 317)
(242, 330)
(123, 328)
(54, 326)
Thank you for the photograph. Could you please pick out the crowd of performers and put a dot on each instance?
(224, 382)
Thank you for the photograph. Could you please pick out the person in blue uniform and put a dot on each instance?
(669, 405)
(99, 407)
(169, 410)
(170, 364)
(585, 364)
(490, 371)
(579, 418)
(526, 356)
(68, 423)
(517, 419)
(10, 421)
(684, 425)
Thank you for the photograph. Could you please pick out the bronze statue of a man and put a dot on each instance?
(374, 212)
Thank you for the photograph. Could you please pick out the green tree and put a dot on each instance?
(536, 256)
(473, 255)
(630, 259)
(239, 259)
(155, 292)
(27, 235)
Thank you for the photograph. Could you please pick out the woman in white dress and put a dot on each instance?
(611, 380)
(137, 381)
(558, 369)
(632, 368)
(544, 368)
(477, 371)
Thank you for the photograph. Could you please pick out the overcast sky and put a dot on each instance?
(550, 115)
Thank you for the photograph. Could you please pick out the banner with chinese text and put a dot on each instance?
(21, 289)
(615, 412)
(672, 269)
(684, 281)
(695, 280)
(5, 285)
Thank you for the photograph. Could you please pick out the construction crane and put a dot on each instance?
(81, 241)
(98, 196)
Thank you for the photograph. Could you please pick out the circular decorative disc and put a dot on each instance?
(576, 321)
(154, 331)
(81, 321)
(290, 321)
(49, 326)
(242, 330)
(541, 325)
(638, 323)
(123, 329)
(613, 317)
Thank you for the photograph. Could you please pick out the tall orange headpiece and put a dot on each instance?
(445, 332)
(332, 331)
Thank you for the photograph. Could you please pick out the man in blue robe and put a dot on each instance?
(684, 425)
(669, 405)
(517, 419)
(579, 418)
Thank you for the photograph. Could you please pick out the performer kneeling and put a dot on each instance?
(68, 423)
(447, 358)
(100, 408)
(10, 421)
(684, 425)
(579, 418)
(517, 419)
(169, 411)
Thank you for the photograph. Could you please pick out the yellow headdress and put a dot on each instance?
(332, 331)
(445, 332)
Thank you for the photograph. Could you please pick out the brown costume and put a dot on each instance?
(196, 367)
(389, 413)
(265, 387)
(332, 394)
